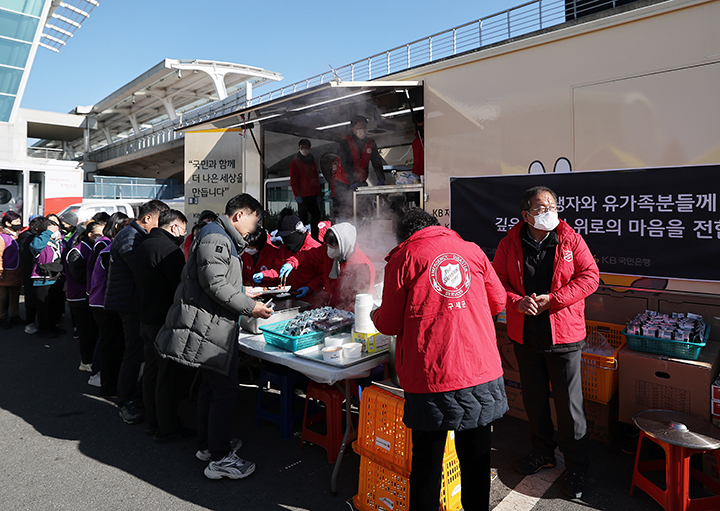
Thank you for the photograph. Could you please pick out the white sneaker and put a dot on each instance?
(94, 380)
(31, 329)
(85, 367)
(230, 466)
(204, 455)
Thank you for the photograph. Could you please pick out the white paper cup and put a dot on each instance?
(352, 350)
(332, 354)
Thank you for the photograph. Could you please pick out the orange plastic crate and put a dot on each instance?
(599, 373)
(381, 488)
(382, 435)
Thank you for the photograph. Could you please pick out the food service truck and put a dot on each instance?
(617, 112)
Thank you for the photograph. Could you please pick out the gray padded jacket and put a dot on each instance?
(201, 328)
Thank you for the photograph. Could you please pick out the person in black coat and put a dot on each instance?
(159, 262)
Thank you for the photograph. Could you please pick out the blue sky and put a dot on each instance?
(124, 38)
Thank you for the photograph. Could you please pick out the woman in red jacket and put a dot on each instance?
(439, 296)
(345, 270)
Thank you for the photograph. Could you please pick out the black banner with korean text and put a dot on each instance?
(661, 222)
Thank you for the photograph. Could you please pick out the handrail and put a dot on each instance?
(489, 30)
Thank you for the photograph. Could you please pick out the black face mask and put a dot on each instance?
(15, 228)
(178, 239)
(294, 241)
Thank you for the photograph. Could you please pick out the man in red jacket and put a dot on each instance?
(439, 296)
(548, 271)
(305, 185)
(351, 169)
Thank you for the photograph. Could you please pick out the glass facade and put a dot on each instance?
(19, 22)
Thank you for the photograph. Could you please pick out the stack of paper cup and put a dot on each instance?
(363, 307)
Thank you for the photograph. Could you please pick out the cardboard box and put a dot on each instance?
(714, 407)
(505, 347)
(602, 419)
(649, 381)
(513, 390)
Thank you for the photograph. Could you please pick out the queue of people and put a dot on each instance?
(150, 319)
(439, 298)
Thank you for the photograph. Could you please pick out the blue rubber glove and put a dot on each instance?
(258, 277)
(298, 199)
(381, 182)
(285, 270)
(303, 291)
(354, 186)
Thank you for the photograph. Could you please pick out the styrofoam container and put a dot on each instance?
(333, 354)
(337, 340)
(352, 350)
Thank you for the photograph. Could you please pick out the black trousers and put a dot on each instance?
(50, 302)
(128, 386)
(174, 381)
(216, 407)
(87, 329)
(309, 208)
(111, 350)
(150, 372)
(473, 450)
(537, 370)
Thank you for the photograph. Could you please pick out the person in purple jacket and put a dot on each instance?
(76, 262)
(112, 339)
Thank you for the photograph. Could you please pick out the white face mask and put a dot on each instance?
(547, 221)
(333, 253)
(55, 235)
(251, 251)
(360, 134)
(304, 152)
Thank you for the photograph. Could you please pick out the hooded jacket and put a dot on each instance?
(201, 327)
(575, 277)
(439, 296)
(355, 273)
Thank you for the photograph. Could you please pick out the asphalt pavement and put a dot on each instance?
(64, 448)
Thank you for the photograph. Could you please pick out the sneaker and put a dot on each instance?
(31, 329)
(94, 380)
(230, 466)
(130, 414)
(573, 483)
(85, 367)
(204, 455)
(533, 463)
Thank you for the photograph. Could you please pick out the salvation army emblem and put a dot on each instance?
(369, 150)
(450, 275)
(568, 255)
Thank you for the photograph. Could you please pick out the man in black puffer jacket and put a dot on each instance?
(160, 262)
(122, 295)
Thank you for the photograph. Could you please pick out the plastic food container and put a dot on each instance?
(332, 354)
(352, 350)
(285, 308)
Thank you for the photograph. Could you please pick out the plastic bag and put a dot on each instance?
(597, 344)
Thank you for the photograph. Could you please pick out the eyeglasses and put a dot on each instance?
(541, 210)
